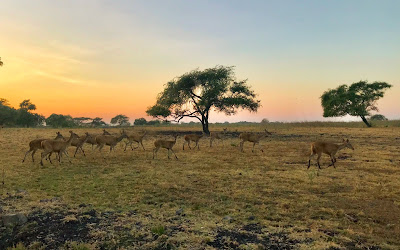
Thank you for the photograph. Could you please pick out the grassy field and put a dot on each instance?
(210, 198)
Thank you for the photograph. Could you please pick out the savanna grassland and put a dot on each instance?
(210, 198)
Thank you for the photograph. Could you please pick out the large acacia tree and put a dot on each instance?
(196, 93)
(358, 99)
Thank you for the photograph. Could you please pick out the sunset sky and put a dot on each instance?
(103, 58)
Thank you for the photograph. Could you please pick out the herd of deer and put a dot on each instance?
(59, 145)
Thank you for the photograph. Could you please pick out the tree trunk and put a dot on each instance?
(365, 121)
(204, 123)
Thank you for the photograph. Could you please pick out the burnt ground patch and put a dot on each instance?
(52, 228)
(253, 233)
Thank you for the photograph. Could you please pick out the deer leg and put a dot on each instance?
(66, 154)
(168, 154)
(211, 140)
(42, 156)
(254, 144)
(142, 145)
(174, 154)
(155, 152)
(333, 161)
(83, 151)
(319, 157)
(77, 148)
(241, 146)
(126, 144)
(183, 145)
(27, 154)
(189, 145)
(309, 160)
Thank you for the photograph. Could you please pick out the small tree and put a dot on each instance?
(8, 115)
(98, 121)
(121, 120)
(264, 121)
(26, 117)
(1, 62)
(154, 122)
(81, 121)
(60, 121)
(357, 100)
(140, 121)
(196, 93)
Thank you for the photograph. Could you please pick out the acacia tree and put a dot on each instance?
(122, 120)
(98, 121)
(196, 93)
(358, 99)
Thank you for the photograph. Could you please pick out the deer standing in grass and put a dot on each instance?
(160, 143)
(57, 146)
(78, 143)
(194, 138)
(217, 136)
(92, 139)
(109, 140)
(135, 138)
(319, 147)
(252, 137)
(35, 145)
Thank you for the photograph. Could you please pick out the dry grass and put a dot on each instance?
(355, 205)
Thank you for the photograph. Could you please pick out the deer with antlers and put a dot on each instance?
(135, 138)
(319, 147)
(160, 143)
(252, 137)
(56, 146)
(35, 145)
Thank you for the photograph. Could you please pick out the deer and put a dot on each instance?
(78, 143)
(252, 137)
(57, 146)
(135, 138)
(192, 137)
(109, 140)
(92, 140)
(35, 145)
(160, 143)
(329, 148)
(217, 136)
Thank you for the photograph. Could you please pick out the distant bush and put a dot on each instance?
(140, 121)
(378, 117)
(264, 121)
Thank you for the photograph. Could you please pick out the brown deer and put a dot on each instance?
(160, 143)
(135, 138)
(92, 139)
(78, 143)
(57, 146)
(252, 137)
(319, 147)
(192, 137)
(35, 145)
(217, 136)
(109, 140)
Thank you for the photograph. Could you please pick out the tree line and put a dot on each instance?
(25, 116)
